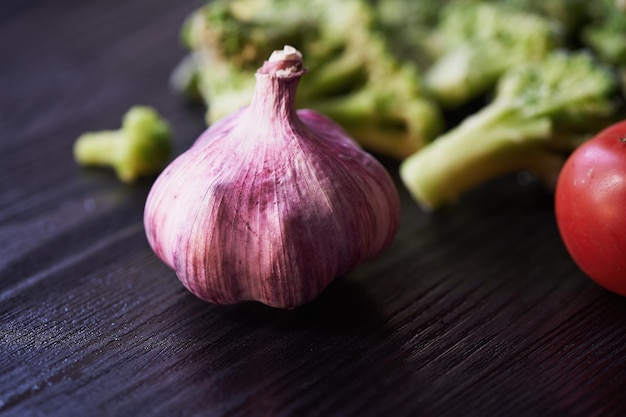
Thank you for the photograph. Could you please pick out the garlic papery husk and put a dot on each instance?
(270, 204)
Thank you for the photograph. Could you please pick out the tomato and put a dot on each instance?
(590, 207)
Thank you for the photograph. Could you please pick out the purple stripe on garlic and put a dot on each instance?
(271, 203)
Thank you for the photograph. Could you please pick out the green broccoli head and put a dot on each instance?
(229, 40)
(609, 40)
(407, 24)
(476, 42)
(606, 33)
(540, 113)
(387, 109)
(568, 88)
(354, 77)
(142, 146)
(244, 32)
(571, 14)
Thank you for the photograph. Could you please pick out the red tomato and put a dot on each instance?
(590, 206)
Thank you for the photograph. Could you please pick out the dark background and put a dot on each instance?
(476, 310)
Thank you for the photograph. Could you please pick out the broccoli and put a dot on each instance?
(387, 111)
(229, 40)
(475, 43)
(571, 14)
(541, 111)
(408, 24)
(605, 35)
(141, 147)
(354, 77)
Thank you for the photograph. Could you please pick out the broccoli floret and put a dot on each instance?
(228, 41)
(541, 111)
(378, 97)
(388, 113)
(246, 31)
(186, 79)
(571, 14)
(354, 77)
(476, 42)
(141, 147)
(408, 24)
(608, 40)
(605, 35)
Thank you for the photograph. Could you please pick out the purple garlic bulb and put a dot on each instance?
(271, 203)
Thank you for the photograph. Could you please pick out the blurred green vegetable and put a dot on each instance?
(541, 111)
(408, 25)
(475, 43)
(141, 147)
(571, 15)
(355, 77)
(391, 71)
(606, 34)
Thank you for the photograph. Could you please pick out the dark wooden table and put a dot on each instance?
(476, 310)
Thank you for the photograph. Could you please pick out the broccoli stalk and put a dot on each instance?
(476, 42)
(141, 147)
(539, 113)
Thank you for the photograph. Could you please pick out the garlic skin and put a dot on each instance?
(270, 204)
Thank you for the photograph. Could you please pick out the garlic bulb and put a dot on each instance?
(270, 204)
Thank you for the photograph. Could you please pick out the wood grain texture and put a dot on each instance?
(476, 310)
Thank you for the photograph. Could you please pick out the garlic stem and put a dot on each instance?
(274, 96)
